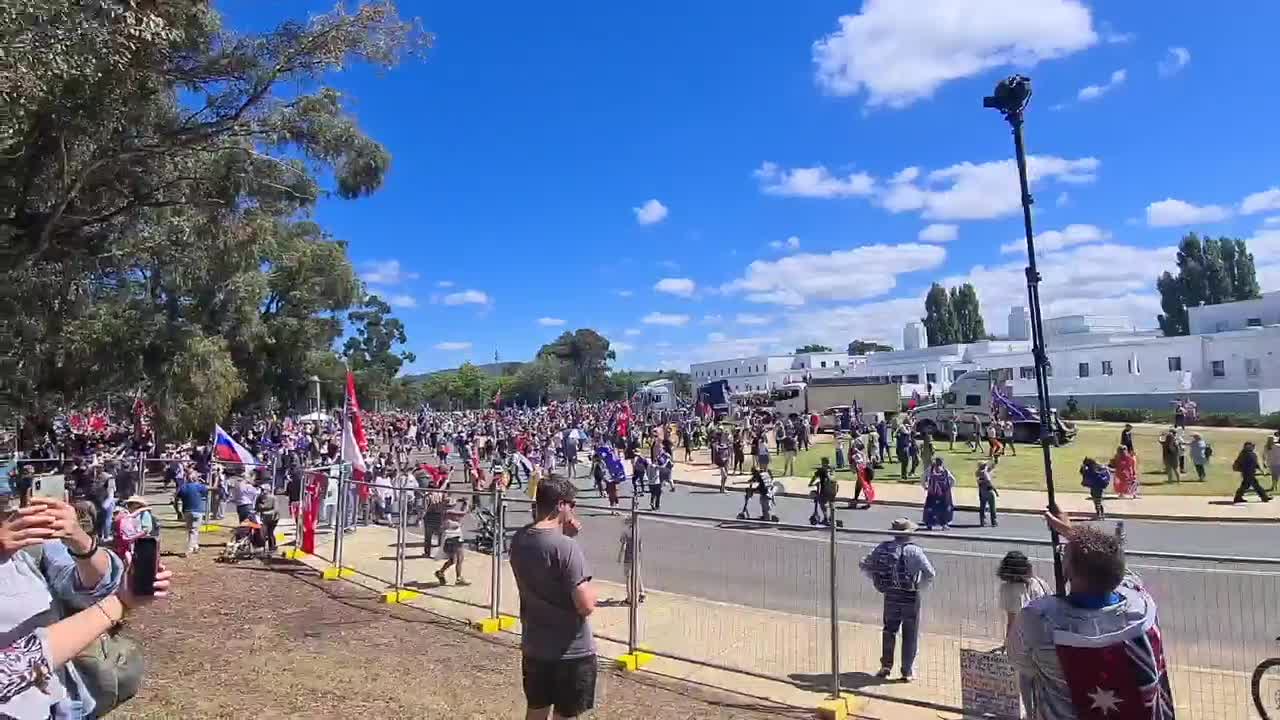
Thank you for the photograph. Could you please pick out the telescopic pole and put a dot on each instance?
(1013, 114)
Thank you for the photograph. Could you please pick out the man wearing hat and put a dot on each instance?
(899, 569)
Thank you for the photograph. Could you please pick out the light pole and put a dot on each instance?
(1011, 98)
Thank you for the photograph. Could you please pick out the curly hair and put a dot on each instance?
(1097, 557)
(1014, 568)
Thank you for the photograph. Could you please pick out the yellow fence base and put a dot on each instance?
(845, 707)
(293, 554)
(489, 626)
(333, 572)
(212, 529)
(634, 661)
(395, 597)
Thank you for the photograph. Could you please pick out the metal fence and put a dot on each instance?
(790, 603)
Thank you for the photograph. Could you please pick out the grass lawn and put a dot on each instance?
(1097, 440)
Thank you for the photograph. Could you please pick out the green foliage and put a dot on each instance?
(371, 350)
(812, 348)
(968, 314)
(156, 172)
(953, 317)
(862, 347)
(1210, 271)
(1128, 415)
(584, 357)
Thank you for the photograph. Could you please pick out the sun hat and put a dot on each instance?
(136, 500)
(903, 526)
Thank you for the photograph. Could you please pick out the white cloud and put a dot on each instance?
(625, 293)
(444, 284)
(717, 337)
(901, 52)
(400, 300)
(752, 319)
(712, 319)
(550, 322)
(1103, 278)
(939, 233)
(632, 332)
(667, 319)
(1272, 221)
(621, 347)
(1264, 201)
(682, 287)
(1093, 92)
(1064, 198)
(983, 191)
(791, 243)
(1170, 213)
(1174, 60)
(1265, 248)
(453, 346)
(385, 272)
(1111, 36)
(650, 213)
(879, 321)
(862, 272)
(812, 182)
(466, 297)
(1052, 240)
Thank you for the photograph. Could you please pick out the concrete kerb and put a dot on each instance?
(1111, 512)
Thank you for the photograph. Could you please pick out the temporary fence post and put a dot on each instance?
(400, 538)
(495, 570)
(142, 473)
(835, 609)
(633, 583)
(339, 519)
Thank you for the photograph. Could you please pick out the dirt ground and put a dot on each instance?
(251, 640)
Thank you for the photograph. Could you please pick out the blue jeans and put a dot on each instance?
(904, 614)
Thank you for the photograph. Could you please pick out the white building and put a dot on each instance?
(1230, 362)
(761, 373)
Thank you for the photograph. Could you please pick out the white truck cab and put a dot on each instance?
(968, 404)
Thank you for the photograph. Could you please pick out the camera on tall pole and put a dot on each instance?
(1011, 98)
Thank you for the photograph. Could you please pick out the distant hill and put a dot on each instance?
(498, 369)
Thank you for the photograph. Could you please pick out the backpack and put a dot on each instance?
(889, 568)
(111, 666)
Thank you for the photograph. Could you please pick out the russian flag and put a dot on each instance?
(228, 450)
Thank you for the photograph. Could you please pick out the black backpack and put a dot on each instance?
(889, 568)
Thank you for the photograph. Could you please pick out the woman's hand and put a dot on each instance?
(1059, 523)
(126, 595)
(64, 523)
(23, 528)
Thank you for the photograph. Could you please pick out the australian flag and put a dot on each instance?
(1121, 676)
(1014, 411)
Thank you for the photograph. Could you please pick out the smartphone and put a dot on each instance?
(146, 563)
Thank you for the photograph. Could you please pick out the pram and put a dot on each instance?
(487, 532)
(247, 540)
(768, 501)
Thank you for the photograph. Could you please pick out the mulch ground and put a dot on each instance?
(251, 640)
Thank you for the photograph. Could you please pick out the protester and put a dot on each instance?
(453, 549)
(1271, 459)
(987, 494)
(556, 600)
(264, 506)
(1200, 451)
(824, 491)
(1097, 478)
(1169, 456)
(1007, 435)
(939, 508)
(1019, 586)
(629, 547)
(192, 496)
(900, 571)
(1100, 645)
(1248, 466)
(1124, 467)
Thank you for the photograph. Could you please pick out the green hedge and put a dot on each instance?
(1136, 415)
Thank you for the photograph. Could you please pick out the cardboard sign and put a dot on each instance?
(988, 685)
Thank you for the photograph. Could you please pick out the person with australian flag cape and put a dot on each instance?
(1097, 653)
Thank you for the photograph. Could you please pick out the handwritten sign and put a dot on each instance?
(988, 685)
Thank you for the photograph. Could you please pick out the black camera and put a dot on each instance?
(1011, 95)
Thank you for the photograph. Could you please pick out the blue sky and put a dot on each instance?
(702, 180)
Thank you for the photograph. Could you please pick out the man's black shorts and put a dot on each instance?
(568, 686)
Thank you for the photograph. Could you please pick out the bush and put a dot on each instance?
(1126, 415)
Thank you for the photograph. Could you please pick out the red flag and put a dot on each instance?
(497, 398)
(353, 411)
(1121, 676)
(354, 442)
(624, 419)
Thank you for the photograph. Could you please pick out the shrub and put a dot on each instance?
(1126, 415)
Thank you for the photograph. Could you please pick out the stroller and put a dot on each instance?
(247, 540)
(768, 501)
(487, 532)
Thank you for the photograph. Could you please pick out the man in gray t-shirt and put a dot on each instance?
(556, 597)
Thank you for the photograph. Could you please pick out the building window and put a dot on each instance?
(1048, 371)
(824, 363)
(1106, 368)
(1254, 322)
(895, 378)
(1084, 370)
(913, 379)
(801, 366)
(1252, 367)
(973, 400)
(1175, 364)
(1135, 367)
(931, 377)
(837, 362)
(1027, 372)
(1219, 368)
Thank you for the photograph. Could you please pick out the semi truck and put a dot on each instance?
(975, 398)
(827, 397)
